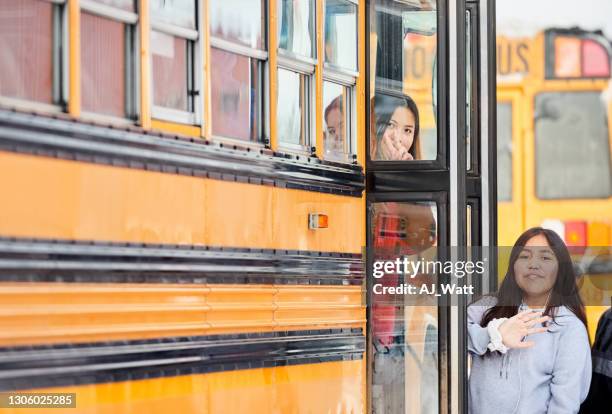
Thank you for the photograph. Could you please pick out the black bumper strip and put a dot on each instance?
(132, 148)
(24, 368)
(29, 260)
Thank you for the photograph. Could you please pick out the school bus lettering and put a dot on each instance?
(419, 62)
(419, 56)
(512, 56)
(522, 50)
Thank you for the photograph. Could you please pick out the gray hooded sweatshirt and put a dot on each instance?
(552, 377)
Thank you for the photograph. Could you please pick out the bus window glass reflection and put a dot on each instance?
(404, 329)
(335, 125)
(238, 57)
(296, 27)
(341, 34)
(235, 87)
(26, 45)
(405, 35)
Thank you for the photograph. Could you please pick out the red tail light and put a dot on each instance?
(576, 236)
(595, 60)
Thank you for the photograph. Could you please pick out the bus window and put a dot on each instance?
(404, 332)
(504, 151)
(297, 55)
(174, 42)
(297, 27)
(108, 60)
(405, 38)
(28, 31)
(341, 34)
(293, 109)
(339, 80)
(571, 145)
(335, 137)
(237, 60)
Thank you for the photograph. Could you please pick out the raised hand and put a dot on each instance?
(515, 329)
(392, 150)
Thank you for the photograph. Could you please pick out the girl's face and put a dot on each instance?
(400, 129)
(536, 268)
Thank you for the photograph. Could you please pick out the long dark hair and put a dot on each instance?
(385, 106)
(564, 291)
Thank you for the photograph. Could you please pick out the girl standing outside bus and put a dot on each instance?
(529, 342)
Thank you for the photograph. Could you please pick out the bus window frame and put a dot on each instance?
(440, 198)
(474, 115)
(263, 58)
(350, 119)
(330, 66)
(442, 203)
(195, 42)
(441, 162)
(304, 67)
(348, 79)
(60, 66)
(131, 23)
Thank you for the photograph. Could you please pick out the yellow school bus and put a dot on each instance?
(554, 143)
(176, 233)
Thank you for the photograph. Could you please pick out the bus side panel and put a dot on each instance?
(59, 199)
(51, 313)
(332, 387)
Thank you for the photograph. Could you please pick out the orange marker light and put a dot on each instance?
(567, 57)
(317, 221)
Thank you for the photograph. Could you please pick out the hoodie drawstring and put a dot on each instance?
(504, 365)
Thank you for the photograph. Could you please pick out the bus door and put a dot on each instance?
(431, 188)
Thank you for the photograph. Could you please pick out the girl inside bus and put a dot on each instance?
(396, 136)
(529, 342)
(398, 228)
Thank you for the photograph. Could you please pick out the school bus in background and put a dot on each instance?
(554, 102)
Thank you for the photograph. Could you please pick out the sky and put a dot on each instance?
(525, 17)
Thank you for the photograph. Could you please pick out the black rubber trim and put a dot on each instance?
(93, 363)
(136, 148)
(35, 260)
